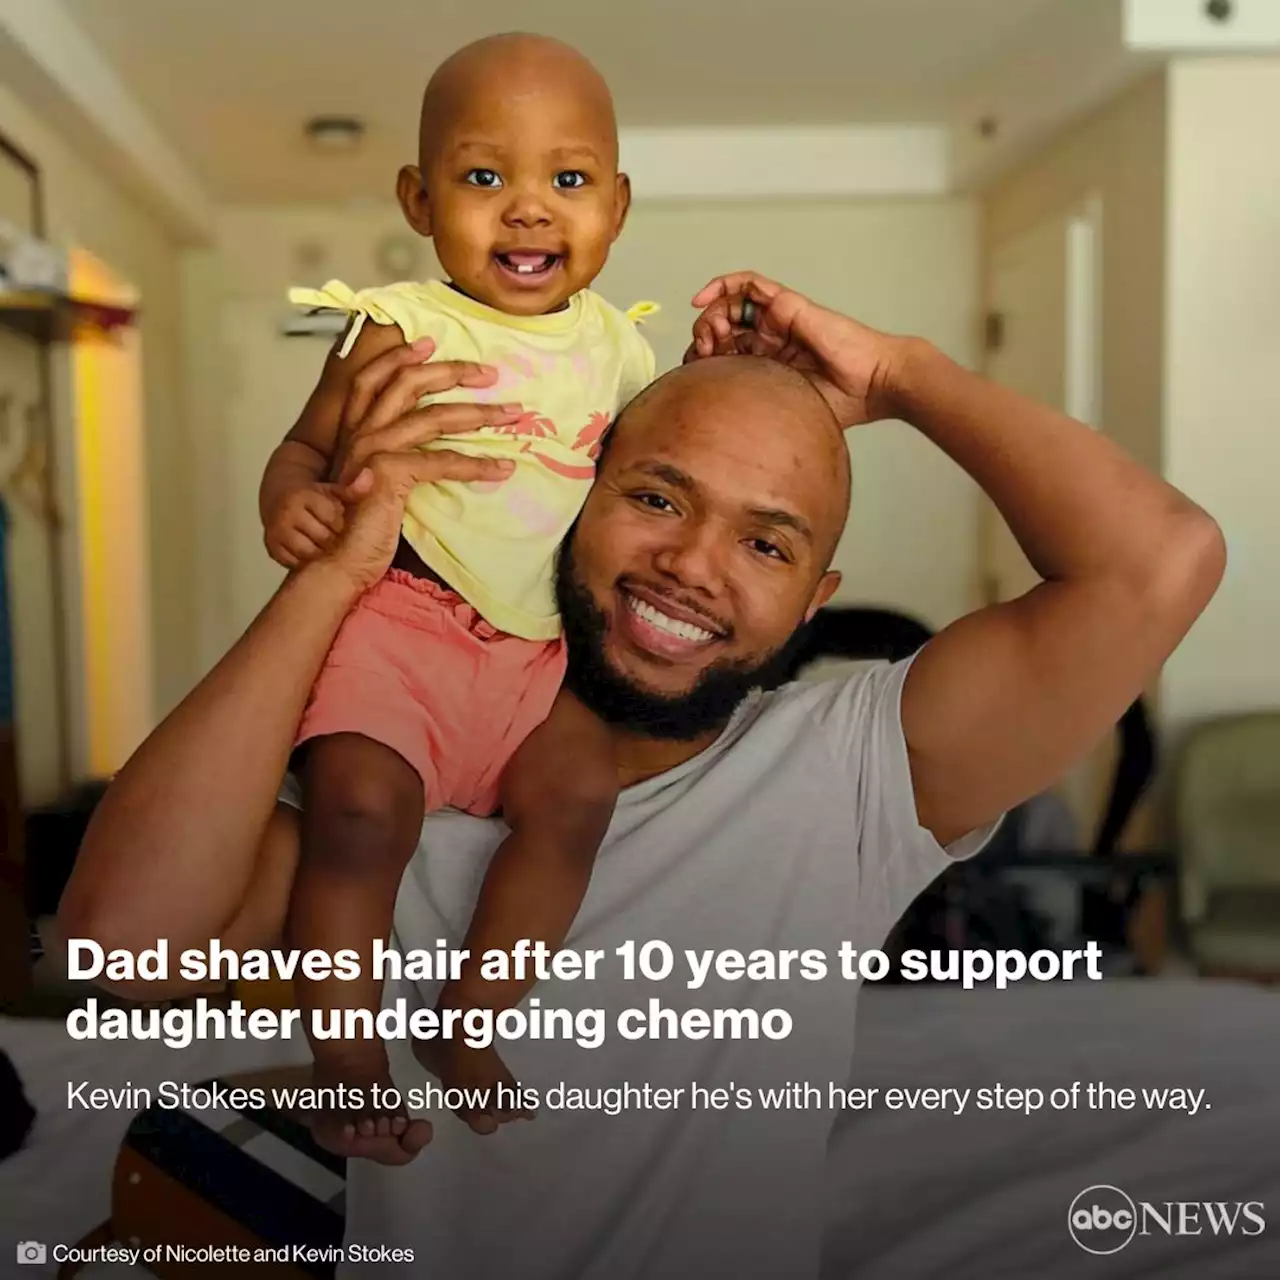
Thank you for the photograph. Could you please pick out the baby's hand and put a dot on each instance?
(304, 524)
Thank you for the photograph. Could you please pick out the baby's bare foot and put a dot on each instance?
(352, 1119)
(480, 1074)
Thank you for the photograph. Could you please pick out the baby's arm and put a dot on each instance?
(300, 511)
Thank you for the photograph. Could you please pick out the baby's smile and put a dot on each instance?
(528, 268)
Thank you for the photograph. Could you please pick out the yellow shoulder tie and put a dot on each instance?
(336, 296)
(639, 312)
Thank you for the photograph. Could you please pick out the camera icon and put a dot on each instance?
(31, 1252)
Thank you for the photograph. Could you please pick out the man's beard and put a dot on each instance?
(718, 691)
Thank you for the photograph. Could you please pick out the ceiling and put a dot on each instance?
(230, 82)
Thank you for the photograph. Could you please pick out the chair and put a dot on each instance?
(250, 1178)
(1227, 811)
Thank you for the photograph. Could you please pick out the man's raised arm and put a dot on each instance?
(172, 848)
(1003, 702)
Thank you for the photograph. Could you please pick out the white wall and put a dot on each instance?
(906, 265)
(1222, 429)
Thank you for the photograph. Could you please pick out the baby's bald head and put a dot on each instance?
(502, 70)
(517, 179)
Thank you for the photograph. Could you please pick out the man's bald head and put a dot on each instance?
(511, 66)
(746, 392)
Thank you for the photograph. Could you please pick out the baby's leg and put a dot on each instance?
(361, 819)
(558, 795)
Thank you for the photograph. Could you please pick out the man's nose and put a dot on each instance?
(696, 557)
(527, 207)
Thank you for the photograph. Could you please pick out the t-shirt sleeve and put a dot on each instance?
(861, 718)
(639, 365)
(411, 311)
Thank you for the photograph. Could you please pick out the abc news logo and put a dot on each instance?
(1103, 1219)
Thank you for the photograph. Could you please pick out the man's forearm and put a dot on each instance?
(171, 848)
(1078, 506)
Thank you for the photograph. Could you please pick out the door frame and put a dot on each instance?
(1082, 383)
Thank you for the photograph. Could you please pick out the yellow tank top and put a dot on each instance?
(573, 370)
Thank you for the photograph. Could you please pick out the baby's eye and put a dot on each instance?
(570, 178)
(483, 178)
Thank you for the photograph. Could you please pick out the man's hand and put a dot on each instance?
(853, 366)
(380, 458)
(381, 413)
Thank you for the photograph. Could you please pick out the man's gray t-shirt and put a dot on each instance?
(796, 829)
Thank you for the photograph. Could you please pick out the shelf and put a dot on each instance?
(315, 324)
(47, 317)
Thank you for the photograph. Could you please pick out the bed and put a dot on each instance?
(919, 1196)
(912, 1195)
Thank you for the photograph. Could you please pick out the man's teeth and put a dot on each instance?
(672, 626)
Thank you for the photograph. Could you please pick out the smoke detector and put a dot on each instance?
(335, 133)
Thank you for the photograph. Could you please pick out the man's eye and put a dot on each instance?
(653, 500)
(570, 178)
(767, 548)
(483, 178)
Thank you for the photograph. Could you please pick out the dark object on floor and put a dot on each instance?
(17, 1115)
(53, 836)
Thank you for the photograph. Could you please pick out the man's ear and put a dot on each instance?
(827, 585)
(622, 204)
(411, 191)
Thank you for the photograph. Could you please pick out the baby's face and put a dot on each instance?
(524, 198)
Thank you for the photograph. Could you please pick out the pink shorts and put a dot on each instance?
(416, 668)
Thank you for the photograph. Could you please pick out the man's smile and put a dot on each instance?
(662, 628)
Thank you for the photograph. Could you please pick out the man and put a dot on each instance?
(792, 822)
